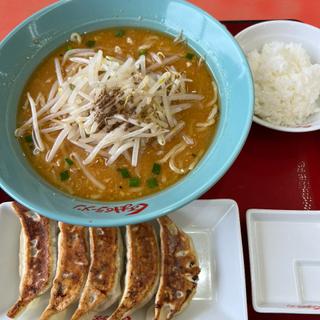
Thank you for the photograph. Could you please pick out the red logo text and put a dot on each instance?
(129, 209)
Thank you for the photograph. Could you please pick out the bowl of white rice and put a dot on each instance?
(284, 58)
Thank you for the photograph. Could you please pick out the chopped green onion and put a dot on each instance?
(124, 173)
(119, 33)
(90, 43)
(69, 48)
(28, 138)
(69, 161)
(143, 52)
(152, 183)
(64, 175)
(156, 169)
(134, 182)
(189, 56)
(71, 86)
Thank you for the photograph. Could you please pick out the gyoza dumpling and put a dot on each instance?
(37, 257)
(142, 270)
(72, 269)
(102, 287)
(179, 271)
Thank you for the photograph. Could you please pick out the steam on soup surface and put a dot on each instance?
(118, 114)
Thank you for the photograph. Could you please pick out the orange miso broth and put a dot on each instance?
(118, 114)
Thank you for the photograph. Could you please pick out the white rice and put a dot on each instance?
(287, 84)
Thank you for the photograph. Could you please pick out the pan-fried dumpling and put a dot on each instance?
(72, 269)
(142, 270)
(37, 257)
(102, 287)
(179, 271)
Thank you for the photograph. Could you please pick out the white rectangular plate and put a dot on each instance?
(215, 229)
(284, 249)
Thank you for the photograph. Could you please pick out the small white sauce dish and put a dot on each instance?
(254, 37)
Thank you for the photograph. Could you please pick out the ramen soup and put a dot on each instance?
(118, 114)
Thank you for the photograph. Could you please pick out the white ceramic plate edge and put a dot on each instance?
(242, 266)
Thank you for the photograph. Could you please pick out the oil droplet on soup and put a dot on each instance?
(185, 130)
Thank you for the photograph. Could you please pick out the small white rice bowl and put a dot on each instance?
(287, 84)
(284, 57)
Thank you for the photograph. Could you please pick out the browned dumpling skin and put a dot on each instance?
(142, 271)
(102, 287)
(179, 271)
(72, 269)
(37, 256)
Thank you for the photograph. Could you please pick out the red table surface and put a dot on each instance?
(274, 170)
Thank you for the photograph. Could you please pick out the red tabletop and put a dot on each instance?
(274, 170)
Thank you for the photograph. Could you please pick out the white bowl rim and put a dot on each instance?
(272, 22)
(270, 125)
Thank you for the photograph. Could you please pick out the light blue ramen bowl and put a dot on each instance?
(23, 49)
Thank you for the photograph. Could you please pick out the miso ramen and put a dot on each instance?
(118, 114)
